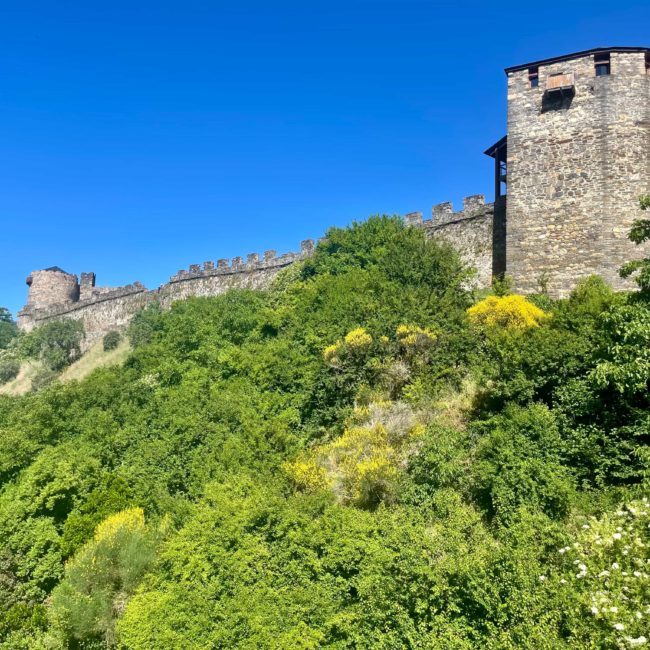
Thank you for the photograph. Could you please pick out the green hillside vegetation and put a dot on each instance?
(364, 456)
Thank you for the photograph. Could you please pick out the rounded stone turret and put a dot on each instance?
(51, 286)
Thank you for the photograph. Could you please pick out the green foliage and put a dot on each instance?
(43, 378)
(640, 233)
(111, 340)
(101, 577)
(9, 368)
(519, 464)
(502, 286)
(322, 473)
(8, 328)
(143, 325)
(56, 344)
(603, 569)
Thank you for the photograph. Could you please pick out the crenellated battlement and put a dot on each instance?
(443, 214)
(268, 260)
(549, 218)
(55, 294)
(476, 232)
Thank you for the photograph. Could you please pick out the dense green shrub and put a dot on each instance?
(519, 464)
(8, 328)
(56, 344)
(43, 378)
(9, 369)
(143, 325)
(111, 340)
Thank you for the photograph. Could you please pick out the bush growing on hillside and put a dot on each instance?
(362, 466)
(143, 325)
(519, 464)
(56, 344)
(101, 577)
(511, 312)
(9, 369)
(111, 340)
(605, 568)
(42, 379)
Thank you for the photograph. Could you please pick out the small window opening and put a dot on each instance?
(602, 64)
(647, 62)
(533, 77)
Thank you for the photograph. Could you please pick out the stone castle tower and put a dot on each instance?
(575, 160)
(51, 286)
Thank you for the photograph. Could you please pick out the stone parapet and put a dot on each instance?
(443, 213)
(471, 231)
(268, 260)
(102, 309)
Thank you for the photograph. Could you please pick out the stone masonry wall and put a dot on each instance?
(51, 287)
(576, 167)
(469, 231)
(102, 309)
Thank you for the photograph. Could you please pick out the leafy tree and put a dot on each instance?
(57, 344)
(639, 234)
(8, 328)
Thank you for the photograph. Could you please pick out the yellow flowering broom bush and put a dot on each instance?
(512, 312)
(101, 577)
(353, 346)
(362, 466)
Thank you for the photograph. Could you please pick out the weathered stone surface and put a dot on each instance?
(470, 231)
(576, 167)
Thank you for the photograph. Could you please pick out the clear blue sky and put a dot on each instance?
(139, 137)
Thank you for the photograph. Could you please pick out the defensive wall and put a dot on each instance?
(477, 232)
(102, 309)
(567, 178)
(55, 294)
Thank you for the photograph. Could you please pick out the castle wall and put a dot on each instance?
(576, 168)
(470, 231)
(102, 309)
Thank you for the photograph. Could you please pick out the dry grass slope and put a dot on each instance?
(94, 358)
(23, 382)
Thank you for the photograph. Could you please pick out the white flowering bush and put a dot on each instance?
(608, 568)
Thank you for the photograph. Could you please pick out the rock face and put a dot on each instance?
(578, 159)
